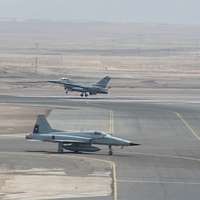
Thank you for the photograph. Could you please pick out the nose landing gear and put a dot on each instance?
(66, 89)
(110, 152)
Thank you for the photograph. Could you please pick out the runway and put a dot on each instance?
(165, 166)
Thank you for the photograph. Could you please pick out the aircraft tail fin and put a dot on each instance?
(41, 125)
(103, 82)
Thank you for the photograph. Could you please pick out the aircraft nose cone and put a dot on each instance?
(133, 144)
(52, 81)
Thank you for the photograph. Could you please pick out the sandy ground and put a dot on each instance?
(139, 57)
(17, 119)
(36, 175)
(134, 55)
(50, 184)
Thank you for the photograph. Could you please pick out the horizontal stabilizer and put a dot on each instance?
(134, 144)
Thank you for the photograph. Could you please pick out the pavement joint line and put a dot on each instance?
(111, 163)
(166, 156)
(188, 126)
(158, 182)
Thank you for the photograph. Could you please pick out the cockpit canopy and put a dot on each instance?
(64, 78)
(99, 133)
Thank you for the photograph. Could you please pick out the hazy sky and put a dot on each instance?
(156, 11)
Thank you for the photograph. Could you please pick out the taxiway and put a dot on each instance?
(165, 166)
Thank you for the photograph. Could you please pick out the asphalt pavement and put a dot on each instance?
(165, 166)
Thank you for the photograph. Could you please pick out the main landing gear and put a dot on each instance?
(60, 147)
(84, 94)
(110, 152)
(66, 90)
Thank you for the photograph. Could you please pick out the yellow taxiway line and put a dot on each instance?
(114, 181)
(188, 126)
(112, 163)
(111, 122)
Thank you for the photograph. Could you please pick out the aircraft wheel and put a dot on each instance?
(86, 94)
(81, 94)
(110, 150)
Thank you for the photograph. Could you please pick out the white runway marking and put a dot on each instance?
(11, 136)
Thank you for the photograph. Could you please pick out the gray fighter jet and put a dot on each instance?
(98, 88)
(74, 141)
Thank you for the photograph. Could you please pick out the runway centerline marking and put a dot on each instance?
(188, 126)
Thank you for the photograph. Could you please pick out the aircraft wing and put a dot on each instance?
(73, 141)
(60, 82)
(70, 139)
(68, 83)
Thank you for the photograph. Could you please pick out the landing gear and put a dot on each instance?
(60, 147)
(84, 94)
(66, 89)
(110, 150)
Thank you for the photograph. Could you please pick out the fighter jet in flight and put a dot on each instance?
(98, 88)
(75, 141)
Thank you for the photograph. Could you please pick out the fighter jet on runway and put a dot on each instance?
(74, 141)
(99, 88)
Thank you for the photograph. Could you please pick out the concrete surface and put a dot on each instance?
(166, 164)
